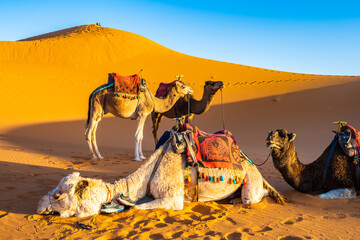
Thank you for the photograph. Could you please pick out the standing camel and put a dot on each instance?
(180, 108)
(103, 101)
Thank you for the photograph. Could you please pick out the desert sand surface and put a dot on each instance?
(45, 84)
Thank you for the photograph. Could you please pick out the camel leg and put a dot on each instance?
(253, 191)
(342, 193)
(172, 203)
(138, 139)
(90, 135)
(94, 140)
(156, 119)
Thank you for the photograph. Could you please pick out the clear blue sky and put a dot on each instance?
(303, 36)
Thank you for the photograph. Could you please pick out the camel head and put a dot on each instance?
(279, 142)
(181, 89)
(213, 86)
(66, 198)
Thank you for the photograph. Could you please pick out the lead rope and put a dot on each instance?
(188, 98)
(222, 109)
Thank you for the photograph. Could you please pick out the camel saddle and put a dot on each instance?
(163, 89)
(216, 150)
(127, 84)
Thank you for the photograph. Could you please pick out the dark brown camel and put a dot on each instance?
(180, 109)
(340, 178)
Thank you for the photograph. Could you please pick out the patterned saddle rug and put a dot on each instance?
(163, 89)
(217, 150)
(126, 84)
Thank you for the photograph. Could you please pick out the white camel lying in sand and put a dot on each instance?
(161, 176)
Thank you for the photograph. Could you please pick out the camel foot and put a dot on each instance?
(142, 157)
(138, 160)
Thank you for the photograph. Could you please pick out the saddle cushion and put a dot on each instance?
(163, 89)
(126, 84)
(217, 150)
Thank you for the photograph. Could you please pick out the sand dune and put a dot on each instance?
(46, 81)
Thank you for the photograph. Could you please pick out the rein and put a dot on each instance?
(222, 109)
(258, 165)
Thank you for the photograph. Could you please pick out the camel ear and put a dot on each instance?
(76, 174)
(80, 187)
(291, 136)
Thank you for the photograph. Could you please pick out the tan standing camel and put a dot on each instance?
(161, 176)
(103, 102)
(180, 109)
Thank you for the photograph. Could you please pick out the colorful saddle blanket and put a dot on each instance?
(126, 84)
(217, 150)
(163, 89)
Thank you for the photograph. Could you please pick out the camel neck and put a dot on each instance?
(291, 168)
(135, 185)
(201, 106)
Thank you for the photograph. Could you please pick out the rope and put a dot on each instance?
(222, 109)
(85, 226)
(258, 165)
(188, 97)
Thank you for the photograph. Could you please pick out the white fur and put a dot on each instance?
(339, 194)
(166, 186)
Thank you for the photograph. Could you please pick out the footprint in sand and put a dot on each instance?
(291, 221)
(335, 216)
(177, 234)
(254, 230)
(233, 236)
(156, 236)
(292, 237)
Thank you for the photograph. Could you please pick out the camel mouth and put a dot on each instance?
(272, 145)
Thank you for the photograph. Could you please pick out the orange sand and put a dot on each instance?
(45, 84)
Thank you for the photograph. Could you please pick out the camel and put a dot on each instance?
(180, 108)
(161, 176)
(340, 179)
(103, 101)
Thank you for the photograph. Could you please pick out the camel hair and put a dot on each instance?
(162, 177)
(180, 109)
(340, 180)
(103, 102)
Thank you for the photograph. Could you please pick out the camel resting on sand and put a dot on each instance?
(180, 108)
(340, 179)
(161, 176)
(103, 101)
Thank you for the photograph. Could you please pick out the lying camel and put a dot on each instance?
(340, 179)
(161, 176)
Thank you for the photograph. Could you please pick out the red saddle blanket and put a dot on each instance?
(163, 89)
(217, 150)
(126, 84)
(355, 135)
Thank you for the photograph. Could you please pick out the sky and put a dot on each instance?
(317, 37)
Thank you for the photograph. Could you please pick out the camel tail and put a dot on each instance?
(273, 193)
(92, 95)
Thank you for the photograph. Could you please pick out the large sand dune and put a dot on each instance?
(45, 84)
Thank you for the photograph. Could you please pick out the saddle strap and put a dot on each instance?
(333, 145)
(166, 145)
(357, 159)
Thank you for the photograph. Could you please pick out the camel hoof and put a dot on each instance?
(138, 160)
(142, 157)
